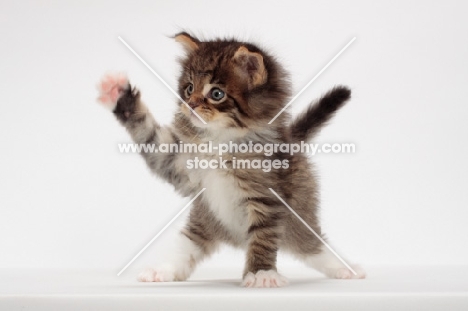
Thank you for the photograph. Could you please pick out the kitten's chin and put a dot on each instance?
(197, 120)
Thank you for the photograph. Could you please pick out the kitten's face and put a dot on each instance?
(211, 90)
(228, 84)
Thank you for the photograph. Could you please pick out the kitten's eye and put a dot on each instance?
(217, 94)
(189, 90)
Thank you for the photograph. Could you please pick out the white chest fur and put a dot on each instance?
(224, 197)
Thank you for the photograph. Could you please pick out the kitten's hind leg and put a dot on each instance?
(327, 263)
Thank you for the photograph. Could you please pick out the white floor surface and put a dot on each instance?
(386, 288)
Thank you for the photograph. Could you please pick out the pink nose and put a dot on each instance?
(193, 104)
(195, 101)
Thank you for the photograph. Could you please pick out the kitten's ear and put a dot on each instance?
(250, 65)
(189, 43)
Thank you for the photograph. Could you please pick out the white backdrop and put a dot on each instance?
(69, 199)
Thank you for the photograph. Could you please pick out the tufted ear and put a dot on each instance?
(249, 65)
(189, 43)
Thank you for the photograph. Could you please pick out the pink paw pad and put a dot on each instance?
(111, 88)
(345, 273)
(264, 279)
(157, 275)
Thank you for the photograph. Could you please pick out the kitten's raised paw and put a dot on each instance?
(345, 273)
(111, 88)
(264, 278)
(157, 275)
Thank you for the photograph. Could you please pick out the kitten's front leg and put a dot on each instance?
(117, 95)
(179, 262)
(199, 239)
(260, 269)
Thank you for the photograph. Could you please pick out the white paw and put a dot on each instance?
(345, 273)
(264, 278)
(111, 88)
(157, 275)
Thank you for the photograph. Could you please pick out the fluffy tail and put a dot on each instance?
(309, 123)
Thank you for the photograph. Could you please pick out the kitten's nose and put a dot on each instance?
(195, 102)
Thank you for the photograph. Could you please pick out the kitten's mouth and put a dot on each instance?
(196, 118)
(194, 114)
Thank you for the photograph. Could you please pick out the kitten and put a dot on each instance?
(236, 88)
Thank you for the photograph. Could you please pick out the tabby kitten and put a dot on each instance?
(236, 88)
